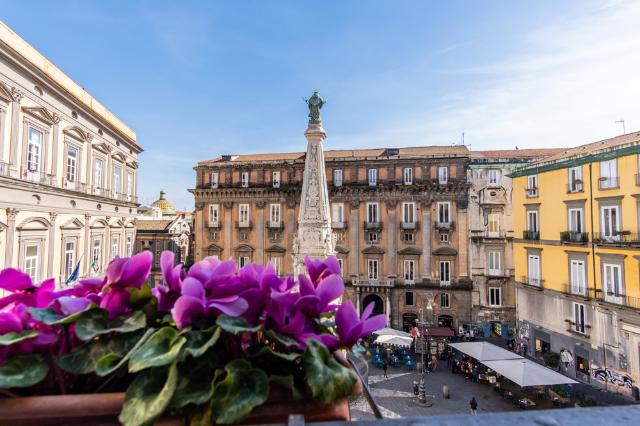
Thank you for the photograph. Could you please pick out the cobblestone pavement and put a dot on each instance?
(395, 395)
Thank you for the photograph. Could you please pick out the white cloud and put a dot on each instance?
(574, 78)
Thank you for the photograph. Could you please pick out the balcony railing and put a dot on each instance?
(609, 182)
(586, 292)
(339, 225)
(621, 300)
(95, 190)
(373, 225)
(408, 225)
(531, 235)
(444, 226)
(243, 225)
(575, 186)
(619, 238)
(532, 282)
(274, 225)
(39, 177)
(74, 185)
(372, 282)
(574, 237)
(4, 169)
(214, 224)
(532, 192)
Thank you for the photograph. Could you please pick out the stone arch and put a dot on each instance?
(77, 133)
(34, 220)
(100, 223)
(378, 307)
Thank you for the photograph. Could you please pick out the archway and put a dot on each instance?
(409, 321)
(445, 321)
(378, 307)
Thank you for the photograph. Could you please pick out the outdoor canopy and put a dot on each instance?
(524, 372)
(394, 340)
(484, 351)
(391, 332)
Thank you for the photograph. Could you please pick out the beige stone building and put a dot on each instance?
(399, 218)
(68, 170)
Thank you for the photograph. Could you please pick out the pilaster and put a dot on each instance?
(54, 148)
(392, 243)
(87, 245)
(228, 228)
(50, 246)
(426, 240)
(260, 230)
(14, 141)
(11, 232)
(354, 237)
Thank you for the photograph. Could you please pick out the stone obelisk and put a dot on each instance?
(314, 237)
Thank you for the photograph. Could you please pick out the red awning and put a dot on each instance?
(439, 332)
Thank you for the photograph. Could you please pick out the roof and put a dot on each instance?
(153, 225)
(166, 206)
(519, 153)
(35, 58)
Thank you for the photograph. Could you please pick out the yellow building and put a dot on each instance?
(577, 261)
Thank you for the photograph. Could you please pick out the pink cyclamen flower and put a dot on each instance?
(24, 291)
(351, 328)
(169, 290)
(319, 269)
(122, 274)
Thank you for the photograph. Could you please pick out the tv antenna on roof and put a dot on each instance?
(624, 130)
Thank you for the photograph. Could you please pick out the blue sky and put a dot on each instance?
(199, 79)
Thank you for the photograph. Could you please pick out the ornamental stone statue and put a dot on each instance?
(315, 102)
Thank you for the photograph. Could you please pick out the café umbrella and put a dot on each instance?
(394, 340)
(391, 332)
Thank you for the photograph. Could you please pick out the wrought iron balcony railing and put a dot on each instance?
(39, 177)
(617, 238)
(275, 225)
(530, 235)
(444, 226)
(372, 225)
(577, 290)
(339, 225)
(609, 182)
(534, 282)
(532, 192)
(574, 237)
(372, 282)
(575, 186)
(409, 225)
(243, 225)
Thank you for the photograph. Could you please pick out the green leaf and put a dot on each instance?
(13, 337)
(140, 297)
(96, 322)
(202, 415)
(112, 361)
(235, 325)
(198, 342)
(267, 352)
(289, 383)
(23, 371)
(162, 348)
(196, 380)
(281, 339)
(51, 317)
(148, 396)
(326, 377)
(243, 389)
(84, 359)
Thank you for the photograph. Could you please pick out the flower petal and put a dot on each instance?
(68, 305)
(192, 287)
(186, 309)
(330, 289)
(13, 279)
(136, 270)
(233, 309)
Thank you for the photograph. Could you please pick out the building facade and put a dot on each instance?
(399, 218)
(577, 258)
(68, 170)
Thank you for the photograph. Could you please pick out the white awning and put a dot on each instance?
(394, 340)
(484, 351)
(391, 332)
(524, 372)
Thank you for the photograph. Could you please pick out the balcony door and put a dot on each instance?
(372, 269)
(578, 281)
(575, 220)
(612, 280)
(534, 270)
(408, 212)
(372, 212)
(610, 223)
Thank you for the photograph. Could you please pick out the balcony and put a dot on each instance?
(339, 225)
(74, 185)
(370, 282)
(620, 300)
(478, 234)
(574, 237)
(532, 282)
(532, 192)
(4, 169)
(39, 177)
(243, 225)
(215, 224)
(409, 225)
(575, 187)
(611, 182)
(619, 238)
(275, 225)
(637, 179)
(95, 190)
(444, 226)
(373, 226)
(587, 293)
(531, 235)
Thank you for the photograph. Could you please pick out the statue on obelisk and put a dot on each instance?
(314, 237)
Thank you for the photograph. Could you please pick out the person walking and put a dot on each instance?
(385, 366)
(474, 406)
(434, 362)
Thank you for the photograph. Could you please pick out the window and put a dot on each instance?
(493, 177)
(96, 256)
(337, 212)
(72, 164)
(443, 175)
(409, 271)
(408, 237)
(32, 261)
(116, 187)
(129, 246)
(532, 221)
(493, 224)
(129, 186)
(69, 258)
(409, 299)
(277, 264)
(494, 263)
(97, 175)
(407, 175)
(445, 300)
(341, 263)
(243, 211)
(609, 174)
(275, 178)
(409, 212)
(214, 215)
(115, 242)
(577, 276)
(337, 177)
(575, 179)
(445, 272)
(34, 150)
(575, 220)
(274, 215)
(373, 177)
(372, 237)
(215, 179)
(534, 269)
(495, 296)
(610, 222)
(579, 318)
(243, 261)
(443, 212)
(244, 179)
(372, 212)
(372, 269)
(532, 186)
(444, 237)
(612, 282)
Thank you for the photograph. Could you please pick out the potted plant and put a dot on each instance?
(209, 345)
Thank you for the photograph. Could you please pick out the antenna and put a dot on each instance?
(624, 130)
(462, 138)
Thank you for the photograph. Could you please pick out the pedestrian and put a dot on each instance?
(385, 366)
(474, 406)
(448, 354)
(429, 367)
(434, 362)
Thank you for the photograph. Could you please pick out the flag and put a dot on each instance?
(74, 274)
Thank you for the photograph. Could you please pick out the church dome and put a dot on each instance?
(167, 208)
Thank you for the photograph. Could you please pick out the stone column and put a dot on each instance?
(260, 229)
(11, 232)
(201, 237)
(392, 243)
(14, 141)
(426, 240)
(123, 240)
(107, 240)
(107, 177)
(388, 308)
(54, 149)
(3, 113)
(87, 245)
(290, 230)
(51, 246)
(463, 241)
(354, 238)
(89, 168)
(228, 228)
(358, 295)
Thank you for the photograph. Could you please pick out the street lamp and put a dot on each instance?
(422, 395)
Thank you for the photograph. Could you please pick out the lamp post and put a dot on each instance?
(422, 395)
